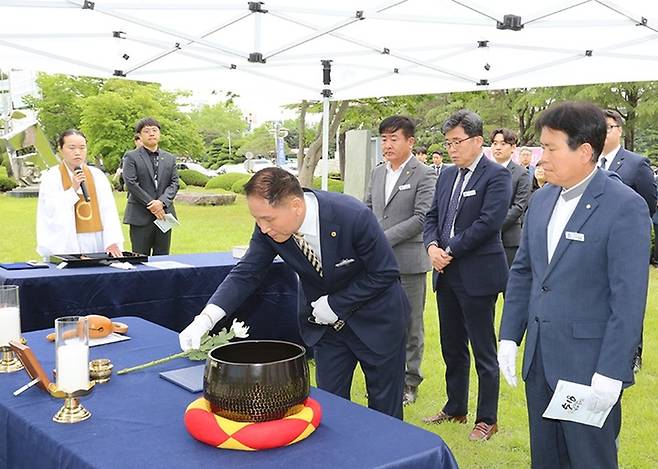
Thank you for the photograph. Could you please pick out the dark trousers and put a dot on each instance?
(149, 240)
(336, 356)
(510, 252)
(563, 444)
(464, 318)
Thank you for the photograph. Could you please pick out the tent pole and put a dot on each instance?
(325, 143)
(326, 94)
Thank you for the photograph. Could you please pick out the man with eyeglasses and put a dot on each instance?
(462, 238)
(634, 170)
(503, 144)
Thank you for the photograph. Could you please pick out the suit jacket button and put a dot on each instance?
(385, 217)
(545, 289)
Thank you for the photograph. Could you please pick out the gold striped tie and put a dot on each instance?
(308, 252)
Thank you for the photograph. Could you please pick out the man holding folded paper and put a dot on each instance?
(151, 180)
(76, 212)
(577, 290)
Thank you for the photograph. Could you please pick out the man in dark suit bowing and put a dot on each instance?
(503, 144)
(577, 290)
(462, 238)
(151, 179)
(354, 308)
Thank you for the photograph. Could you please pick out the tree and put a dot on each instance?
(108, 120)
(635, 101)
(60, 105)
(259, 142)
(218, 120)
(337, 110)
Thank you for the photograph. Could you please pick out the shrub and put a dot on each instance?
(193, 178)
(181, 184)
(6, 164)
(238, 186)
(225, 181)
(7, 183)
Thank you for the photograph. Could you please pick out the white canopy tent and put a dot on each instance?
(273, 51)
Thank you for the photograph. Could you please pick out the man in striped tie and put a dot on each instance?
(353, 308)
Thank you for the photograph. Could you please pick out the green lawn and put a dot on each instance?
(219, 228)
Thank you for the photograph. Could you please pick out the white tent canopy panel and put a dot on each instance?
(274, 49)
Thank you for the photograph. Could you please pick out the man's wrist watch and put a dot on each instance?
(448, 251)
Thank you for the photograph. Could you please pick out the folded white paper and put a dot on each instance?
(167, 265)
(108, 339)
(570, 402)
(123, 265)
(168, 223)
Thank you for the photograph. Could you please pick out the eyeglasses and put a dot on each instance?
(454, 143)
(610, 127)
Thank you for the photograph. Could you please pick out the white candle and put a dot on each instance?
(10, 324)
(72, 367)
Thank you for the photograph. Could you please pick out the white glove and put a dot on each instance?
(605, 393)
(190, 338)
(507, 360)
(322, 311)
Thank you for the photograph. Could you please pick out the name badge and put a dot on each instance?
(469, 193)
(574, 236)
(404, 187)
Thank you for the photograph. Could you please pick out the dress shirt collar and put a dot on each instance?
(312, 217)
(609, 156)
(390, 170)
(505, 164)
(474, 164)
(578, 189)
(152, 153)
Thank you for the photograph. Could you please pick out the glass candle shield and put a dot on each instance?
(10, 319)
(72, 353)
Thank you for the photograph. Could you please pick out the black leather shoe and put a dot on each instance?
(409, 395)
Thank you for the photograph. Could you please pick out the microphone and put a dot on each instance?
(83, 185)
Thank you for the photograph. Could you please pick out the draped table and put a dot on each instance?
(169, 297)
(137, 422)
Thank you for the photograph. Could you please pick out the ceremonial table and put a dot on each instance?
(137, 422)
(169, 297)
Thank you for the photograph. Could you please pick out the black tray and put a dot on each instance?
(95, 259)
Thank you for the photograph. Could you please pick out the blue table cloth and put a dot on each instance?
(137, 422)
(169, 297)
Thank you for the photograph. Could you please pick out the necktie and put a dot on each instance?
(308, 252)
(452, 208)
(602, 163)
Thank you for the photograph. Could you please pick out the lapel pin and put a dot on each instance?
(333, 234)
(588, 206)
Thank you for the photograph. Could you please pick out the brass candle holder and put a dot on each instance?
(100, 370)
(72, 411)
(9, 362)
